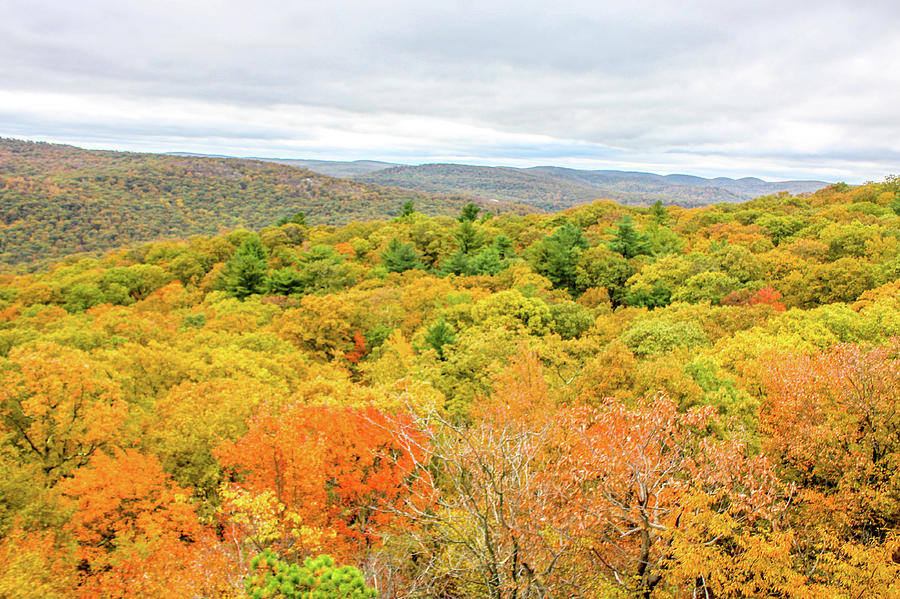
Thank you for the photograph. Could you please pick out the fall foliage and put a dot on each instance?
(612, 401)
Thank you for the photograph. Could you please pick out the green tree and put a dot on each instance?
(627, 240)
(81, 296)
(468, 237)
(469, 213)
(486, 262)
(440, 334)
(299, 218)
(650, 337)
(556, 256)
(456, 264)
(285, 281)
(408, 209)
(316, 578)
(245, 274)
(187, 267)
(663, 240)
(430, 241)
(570, 320)
(656, 297)
(503, 245)
(706, 286)
(323, 270)
(659, 212)
(601, 267)
(400, 257)
(137, 281)
(780, 228)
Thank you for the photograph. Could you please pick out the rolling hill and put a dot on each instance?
(57, 200)
(334, 168)
(679, 186)
(552, 187)
(487, 182)
(555, 188)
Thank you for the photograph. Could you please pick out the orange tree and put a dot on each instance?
(135, 529)
(624, 483)
(832, 425)
(324, 469)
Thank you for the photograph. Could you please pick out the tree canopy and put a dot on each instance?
(606, 402)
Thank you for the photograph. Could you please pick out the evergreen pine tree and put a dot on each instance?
(468, 237)
(439, 335)
(627, 240)
(318, 578)
(486, 262)
(456, 264)
(400, 257)
(245, 274)
(469, 213)
(285, 281)
(555, 256)
(503, 245)
(659, 212)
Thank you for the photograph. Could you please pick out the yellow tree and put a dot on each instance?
(321, 326)
(57, 408)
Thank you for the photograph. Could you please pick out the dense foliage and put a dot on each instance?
(316, 578)
(58, 200)
(608, 402)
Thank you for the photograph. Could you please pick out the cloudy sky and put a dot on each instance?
(786, 89)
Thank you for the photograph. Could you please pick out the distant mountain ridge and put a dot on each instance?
(57, 200)
(552, 187)
(332, 168)
(743, 189)
(751, 186)
(555, 188)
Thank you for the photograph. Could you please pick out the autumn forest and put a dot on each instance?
(436, 400)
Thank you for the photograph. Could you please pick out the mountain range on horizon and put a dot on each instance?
(58, 199)
(557, 188)
(552, 187)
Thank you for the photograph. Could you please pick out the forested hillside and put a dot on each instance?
(487, 182)
(685, 190)
(58, 200)
(608, 402)
(554, 188)
(334, 168)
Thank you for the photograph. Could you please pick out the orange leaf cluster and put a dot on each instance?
(337, 468)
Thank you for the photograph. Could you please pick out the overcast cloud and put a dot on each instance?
(804, 89)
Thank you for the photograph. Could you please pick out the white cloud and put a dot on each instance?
(802, 89)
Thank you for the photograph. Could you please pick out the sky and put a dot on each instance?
(779, 90)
